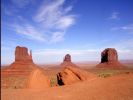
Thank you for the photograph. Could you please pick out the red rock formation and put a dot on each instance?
(109, 55)
(67, 61)
(109, 59)
(21, 55)
(67, 58)
(22, 65)
(71, 73)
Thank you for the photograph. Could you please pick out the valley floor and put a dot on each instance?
(117, 87)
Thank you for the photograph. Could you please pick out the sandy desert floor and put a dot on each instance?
(116, 87)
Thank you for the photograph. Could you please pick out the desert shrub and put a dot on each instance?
(53, 81)
(104, 75)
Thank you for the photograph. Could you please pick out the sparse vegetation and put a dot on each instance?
(13, 82)
(53, 81)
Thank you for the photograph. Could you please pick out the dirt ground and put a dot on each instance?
(116, 87)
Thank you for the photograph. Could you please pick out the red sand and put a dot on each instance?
(119, 87)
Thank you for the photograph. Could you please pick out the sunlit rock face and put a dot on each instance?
(109, 55)
(71, 73)
(109, 59)
(21, 55)
(26, 74)
(23, 63)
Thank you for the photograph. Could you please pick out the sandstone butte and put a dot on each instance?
(109, 60)
(72, 73)
(24, 66)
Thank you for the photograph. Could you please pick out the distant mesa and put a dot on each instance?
(21, 55)
(24, 69)
(67, 58)
(23, 63)
(67, 61)
(109, 59)
(72, 73)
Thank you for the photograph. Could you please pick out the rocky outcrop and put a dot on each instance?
(23, 63)
(21, 55)
(38, 80)
(71, 73)
(67, 58)
(109, 55)
(109, 59)
(25, 71)
(67, 61)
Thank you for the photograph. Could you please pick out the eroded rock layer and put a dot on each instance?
(71, 73)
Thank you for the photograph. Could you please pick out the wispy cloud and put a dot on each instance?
(54, 16)
(49, 24)
(29, 31)
(127, 28)
(126, 44)
(57, 36)
(115, 16)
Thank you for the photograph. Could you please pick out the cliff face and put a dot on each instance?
(71, 73)
(21, 55)
(23, 63)
(67, 58)
(109, 55)
(109, 59)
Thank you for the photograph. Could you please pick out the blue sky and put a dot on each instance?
(53, 28)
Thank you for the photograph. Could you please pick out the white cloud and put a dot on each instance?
(114, 15)
(29, 31)
(52, 19)
(65, 22)
(54, 16)
(127, 28)
(124, 45)
(57, 36)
